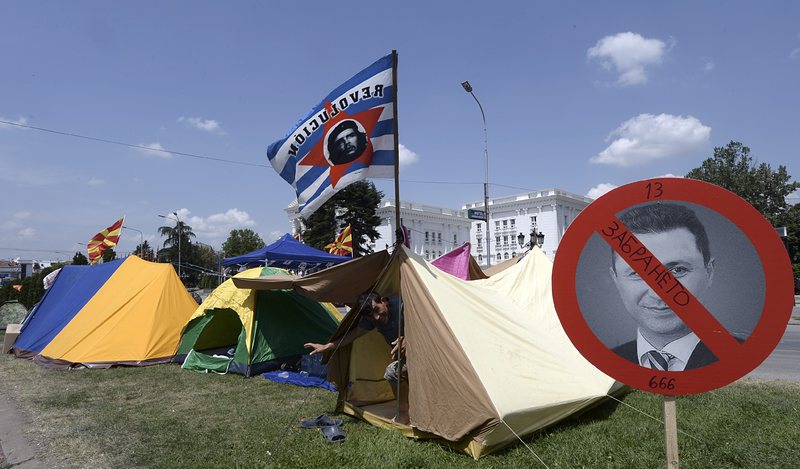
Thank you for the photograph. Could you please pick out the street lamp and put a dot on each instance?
(536, 237)
(141, 240)
(178, 226)
(468, 88)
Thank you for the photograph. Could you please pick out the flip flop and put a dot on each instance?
(332, 434)
(320, 421)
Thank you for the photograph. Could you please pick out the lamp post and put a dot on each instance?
(178, 226)
(141, 239)
(537, 237)
(468, 88)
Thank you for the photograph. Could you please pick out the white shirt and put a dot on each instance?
(681, 349)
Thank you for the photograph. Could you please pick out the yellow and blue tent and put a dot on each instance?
(125, 312)
(249, 332)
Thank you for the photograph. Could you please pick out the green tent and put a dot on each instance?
(249, 332)
(11, 312)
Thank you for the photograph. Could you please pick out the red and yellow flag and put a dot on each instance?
(102, 240)
(343, 245)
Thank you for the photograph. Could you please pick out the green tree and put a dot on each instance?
(144, 251)
(791, 220)
(733, 168)
(79, 259)
(109, 255)
(241, 242)
(356, 205)
(178, 237)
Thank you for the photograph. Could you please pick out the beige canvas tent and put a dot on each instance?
(487, 358)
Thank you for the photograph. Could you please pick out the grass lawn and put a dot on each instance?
(162, 416)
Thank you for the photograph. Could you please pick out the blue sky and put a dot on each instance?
(579, 96)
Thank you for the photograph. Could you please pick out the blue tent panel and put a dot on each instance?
(73, 288)
(286, 252)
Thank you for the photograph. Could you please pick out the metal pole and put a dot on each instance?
(141, 240)
(178, 220)
(468, 88)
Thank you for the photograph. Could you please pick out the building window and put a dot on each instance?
(497, 241)
(505, 240)
(479, 242)
(455, 238)
(440, 253)
(426, 236)
(480, 257)
(505, 223)
(440, 238)
(533, 220)
(499, 257)
(497, 224)
(427, 255)
(513, 222)
(479, 227)
(505, 256)
(514, 254)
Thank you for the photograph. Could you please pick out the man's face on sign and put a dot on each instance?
(678, 252)
(346, 143)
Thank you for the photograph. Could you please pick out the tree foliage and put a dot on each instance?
(109, 255)
(144, 251)
(766, 189)
(357, 204)
(733, 168)
(241, 242)
(178, 246)
(79, 259)
(32, 288)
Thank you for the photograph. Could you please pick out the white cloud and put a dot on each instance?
(215, 227)
(407, 156)
(9, 225)
(154, 149)
(22, 215)
(273, 236)
(708, 64)
(26, 233)
(95, 182)
(793, 198)
(629, 54)
(648, 137)
(600, 189)
(795, 54)
(18, 120)
(207, 125)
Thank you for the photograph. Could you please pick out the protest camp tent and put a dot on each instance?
(125, 312)
(460, 263)
(487, 359)
(263, 328)
(286, 253)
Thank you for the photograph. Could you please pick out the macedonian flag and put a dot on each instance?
(343, 245)
(102, 240)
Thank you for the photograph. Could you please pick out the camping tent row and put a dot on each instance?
(133, 312)
(488, 359)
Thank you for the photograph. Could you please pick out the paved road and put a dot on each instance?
(784, 363)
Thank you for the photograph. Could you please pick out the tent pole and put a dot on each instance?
(398, 228)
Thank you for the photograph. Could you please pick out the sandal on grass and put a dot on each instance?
(332, 434)
(320, 421)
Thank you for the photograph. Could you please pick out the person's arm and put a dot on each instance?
(344, 340)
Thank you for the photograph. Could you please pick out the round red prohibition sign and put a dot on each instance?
(732, 356)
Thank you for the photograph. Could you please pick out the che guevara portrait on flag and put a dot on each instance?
(345, 142)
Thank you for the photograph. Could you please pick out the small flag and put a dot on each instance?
(102, 240)
(17, 287)
(347, 137)
(406, 236)
(343, 245)
(297, 237)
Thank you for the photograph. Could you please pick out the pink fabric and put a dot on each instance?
(455, 262)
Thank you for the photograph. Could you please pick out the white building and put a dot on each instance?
(549, 211)
(433, 230)
(437, 230)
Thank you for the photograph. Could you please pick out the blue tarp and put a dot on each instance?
(293, 377)
(287, 253)
(73, 288)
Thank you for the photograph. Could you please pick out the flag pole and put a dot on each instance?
(398, 230)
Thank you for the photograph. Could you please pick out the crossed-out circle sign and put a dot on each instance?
(663, 294)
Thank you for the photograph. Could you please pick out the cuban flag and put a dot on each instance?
(347, 137)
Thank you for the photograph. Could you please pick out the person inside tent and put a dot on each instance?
(386, 315)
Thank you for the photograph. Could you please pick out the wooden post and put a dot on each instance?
(671, 432)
